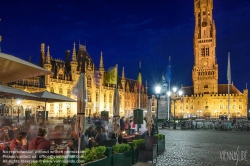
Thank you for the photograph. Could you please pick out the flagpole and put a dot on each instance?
(169, 87)
(139, 105)
(229, 80)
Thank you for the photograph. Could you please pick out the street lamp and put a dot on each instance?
(157, 92)
(174, 97)
(18, 103)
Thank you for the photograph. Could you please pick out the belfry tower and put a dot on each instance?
(205, 70)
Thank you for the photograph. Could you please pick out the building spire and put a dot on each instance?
(101, 61)
(74, 53)
(123, 73)
(48, 56)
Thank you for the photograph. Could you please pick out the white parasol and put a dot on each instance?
(149, 118)
(116, 110)
(81, 92)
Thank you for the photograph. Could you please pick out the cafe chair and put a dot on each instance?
(148, 152)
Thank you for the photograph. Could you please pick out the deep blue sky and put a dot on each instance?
(128, 32)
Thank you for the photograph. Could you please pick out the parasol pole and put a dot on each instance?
(44, 120)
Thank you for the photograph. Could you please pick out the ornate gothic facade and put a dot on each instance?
(62, 81)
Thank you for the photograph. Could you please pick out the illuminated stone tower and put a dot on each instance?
(205, 70)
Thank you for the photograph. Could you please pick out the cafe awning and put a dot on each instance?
(13, 69)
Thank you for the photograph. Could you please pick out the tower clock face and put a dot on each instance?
(205, 63)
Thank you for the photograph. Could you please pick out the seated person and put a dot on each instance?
(100, 136)
(90, 132)
(39, 142)
(19, 143)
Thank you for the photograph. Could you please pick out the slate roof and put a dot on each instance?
(222, 89)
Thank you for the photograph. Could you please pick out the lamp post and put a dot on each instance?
(174, 97)
(157, 92)
(18, 103)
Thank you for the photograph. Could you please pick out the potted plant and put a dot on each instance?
(122, 155)
(135, 145)
(95, 156)
(160, 143)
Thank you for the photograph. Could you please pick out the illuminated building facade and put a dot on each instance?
(207, 98)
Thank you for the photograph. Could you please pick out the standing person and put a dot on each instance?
(127, 126)
(39, 142)
(132, 127)
(122, 124)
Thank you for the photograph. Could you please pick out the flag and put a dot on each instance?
(228, 70)
(139, 78)
(168, 73)
(97, 77)
(111, 76)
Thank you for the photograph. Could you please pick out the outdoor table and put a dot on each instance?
(128, 138)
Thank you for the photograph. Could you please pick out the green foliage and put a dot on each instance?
(121, 148)
(137, 141)
(51, 161)
(160, 136)
(93, 154)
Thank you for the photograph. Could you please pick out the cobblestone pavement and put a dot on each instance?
(204, 148)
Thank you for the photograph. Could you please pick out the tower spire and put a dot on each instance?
(48, 56)
(74, 53)
(101, 61)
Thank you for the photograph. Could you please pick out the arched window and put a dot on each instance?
(60, 91)
(52, 89)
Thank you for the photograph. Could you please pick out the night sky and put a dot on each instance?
(129, 31)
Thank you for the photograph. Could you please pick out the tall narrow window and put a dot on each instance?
(52, 89)
(89, 81)
(110, 98)
(202, 51)
(207, 51)
(97, 97)
(68, 93)
(104, 97)
(60, 91)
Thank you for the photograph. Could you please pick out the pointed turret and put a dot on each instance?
(101, 61)
(123, 74)
(73, 64)
(47, 64)
(101, 67)
(42, 57)
(48, 56)
(146, 87)
(74, 53)
(123, 80)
